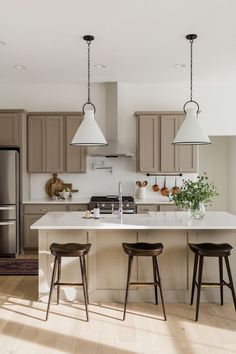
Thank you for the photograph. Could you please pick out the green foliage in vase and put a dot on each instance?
(192, 193)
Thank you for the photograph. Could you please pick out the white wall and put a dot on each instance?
(214, 160)
(232, 175)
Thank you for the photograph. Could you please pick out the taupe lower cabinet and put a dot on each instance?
(49, 138)
(9, 128)
(33, 212)
(155, 152)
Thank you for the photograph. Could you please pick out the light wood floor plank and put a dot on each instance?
(23, 329)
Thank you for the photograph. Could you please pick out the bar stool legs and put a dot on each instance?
(58, 278)
(157, 282)
(155, 279)
(160, 287)
(130, 261)
(198, 268)
(231, 284)
(221, 281)
(57, 264)
(84, 284)
(51, 286)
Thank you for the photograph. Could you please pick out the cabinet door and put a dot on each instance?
(36, 144)
(169, 152)
(188, 155)
(9, 129)
(149, 143)
(54, 148)
(75, 156)
(30, 236)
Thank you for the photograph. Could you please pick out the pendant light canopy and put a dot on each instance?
(89, 133)
(190, 132)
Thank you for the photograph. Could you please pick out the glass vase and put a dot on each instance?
(197, 210)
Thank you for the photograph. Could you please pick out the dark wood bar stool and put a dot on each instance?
(220, 250)
(69, 250)
(143, 249)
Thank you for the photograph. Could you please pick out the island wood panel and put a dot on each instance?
(70, 265)
(107, 263)
(172, 261)
(109, 260)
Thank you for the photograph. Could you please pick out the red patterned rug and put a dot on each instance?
(18, 266)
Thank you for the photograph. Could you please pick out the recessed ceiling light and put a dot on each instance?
(100, 66)
(179, 65)
(2, 43)
(19, 67)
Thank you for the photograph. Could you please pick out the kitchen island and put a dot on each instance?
(107, 263)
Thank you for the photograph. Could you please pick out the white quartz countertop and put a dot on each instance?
(53, 201)
(213, 220)
(86, 200)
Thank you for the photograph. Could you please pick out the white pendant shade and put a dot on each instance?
(190, 131)
(89, 133)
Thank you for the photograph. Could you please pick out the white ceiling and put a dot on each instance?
(138, 40)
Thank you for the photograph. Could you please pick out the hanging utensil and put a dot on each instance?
(175, 189)
(165, 190)
(138, 183)
(155, 186)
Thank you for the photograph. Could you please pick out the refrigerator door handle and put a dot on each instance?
(7, 223)
(7, 208)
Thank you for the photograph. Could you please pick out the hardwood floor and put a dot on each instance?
(23, 329)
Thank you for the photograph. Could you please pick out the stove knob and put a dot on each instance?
(127, 205)
(98, 205)
(103, 205)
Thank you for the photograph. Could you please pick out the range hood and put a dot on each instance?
(114, 148)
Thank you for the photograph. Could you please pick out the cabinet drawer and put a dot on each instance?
(42, 208)
(166, 207)
(145, 208)
(78, 207)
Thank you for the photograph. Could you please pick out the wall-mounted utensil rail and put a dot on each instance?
(164, 174)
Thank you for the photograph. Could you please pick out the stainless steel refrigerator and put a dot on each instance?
(9, 203)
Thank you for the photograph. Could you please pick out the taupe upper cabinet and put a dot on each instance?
(149, 147)
(155, 152)
(45, 143)
(9, 129)
(75, 156)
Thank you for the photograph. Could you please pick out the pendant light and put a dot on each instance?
(190, 132)
(89, 133)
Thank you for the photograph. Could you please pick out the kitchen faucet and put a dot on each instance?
(120, 210)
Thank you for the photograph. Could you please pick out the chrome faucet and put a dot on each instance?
(120, 210)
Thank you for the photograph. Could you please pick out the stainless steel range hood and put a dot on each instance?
(114, 148)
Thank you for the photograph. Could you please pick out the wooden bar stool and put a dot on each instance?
(220, 250)
(143, 249)
(69, 250)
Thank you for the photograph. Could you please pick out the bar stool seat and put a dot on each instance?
(220, 250)
(211, 249)
(144, 249)
(69, 250)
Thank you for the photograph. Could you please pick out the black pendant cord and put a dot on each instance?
(88, 39)
(191, 37)
(191, 70)
(89, 72)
